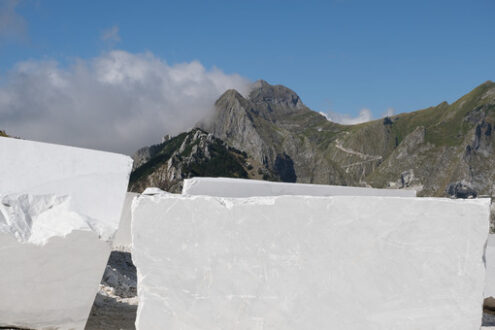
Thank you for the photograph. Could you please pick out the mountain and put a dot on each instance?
(193, 153)
(3, 134)
(444, 150)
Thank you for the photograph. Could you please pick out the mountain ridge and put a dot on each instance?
(443, 150)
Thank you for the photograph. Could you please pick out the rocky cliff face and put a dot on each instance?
(270, 125)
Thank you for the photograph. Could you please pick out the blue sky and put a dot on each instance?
(340, 56)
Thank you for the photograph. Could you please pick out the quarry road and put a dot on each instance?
(366, 157)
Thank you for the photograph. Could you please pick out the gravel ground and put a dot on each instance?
(115, 304)
(108, 314)
(489, 319)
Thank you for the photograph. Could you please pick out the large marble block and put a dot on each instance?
(295, 262)
(229, 187)
(60, 209)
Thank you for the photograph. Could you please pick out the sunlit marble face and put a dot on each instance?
(298, 262)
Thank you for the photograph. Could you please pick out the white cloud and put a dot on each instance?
(324, 114)
(12, 25)
(111, 35)
(364, 116)
(118, 101)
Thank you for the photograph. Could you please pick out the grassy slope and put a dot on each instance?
(446, 130)
(445, 124)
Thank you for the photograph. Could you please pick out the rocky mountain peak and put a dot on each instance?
(275, 95)
(230, 94)
(229, 98)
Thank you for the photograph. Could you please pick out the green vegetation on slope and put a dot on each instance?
(444, 124)
(190, 154)
(223, 162)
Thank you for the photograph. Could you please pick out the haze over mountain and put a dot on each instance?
(117, 101)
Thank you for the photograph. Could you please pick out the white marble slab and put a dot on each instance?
(295, 262)
(228, 187)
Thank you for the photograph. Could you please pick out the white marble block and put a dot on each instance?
(295, 262)
(229, 187)
(60, 208)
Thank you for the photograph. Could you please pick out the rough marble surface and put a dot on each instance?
(35, 219)
(95, 180)
(229, 187)
(296, 262)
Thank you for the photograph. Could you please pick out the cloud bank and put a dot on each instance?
(118, 101)
(364, 116)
